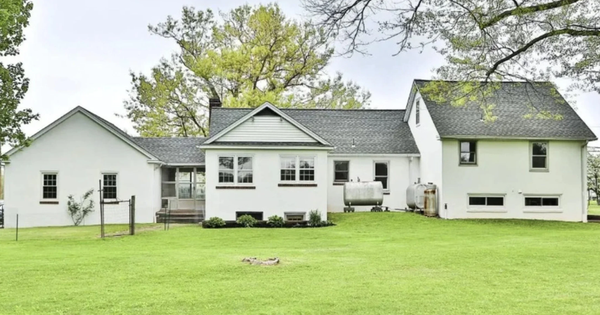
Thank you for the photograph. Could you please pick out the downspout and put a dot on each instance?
(583, 182)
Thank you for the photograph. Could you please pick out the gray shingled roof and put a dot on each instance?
(511, 107)
(373, 131)
(174, 150)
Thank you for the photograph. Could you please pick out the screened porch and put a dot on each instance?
(183, 188)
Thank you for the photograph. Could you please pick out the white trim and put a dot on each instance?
(49, 172)
(486, 207)
(277, 111)
(532, 138)
(349, 174)
(487, 210)
(381, 155)
(542, 209)
(547, 156)
(261, 147)
(102, 173)
(94, 118)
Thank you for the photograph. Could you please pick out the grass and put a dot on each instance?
(593, 208)
(370, 263)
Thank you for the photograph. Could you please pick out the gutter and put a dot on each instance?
(583, 182)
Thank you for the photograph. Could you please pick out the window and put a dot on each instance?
(297, 167)
(541, 201)
(50, 186)
(109, 186)
(468, 152)
(491, 201)
(182, 183)
(381, 173)
(235, 169)
(418, 112)
(539, 155)
(294, 216)
(341, 171)
(185, 180)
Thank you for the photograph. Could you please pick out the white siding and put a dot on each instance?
(430, 147)
(79, 150)
(266, 129)
(503, 168)
(267, 197)
(402, 171)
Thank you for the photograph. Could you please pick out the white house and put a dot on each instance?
(271, 161)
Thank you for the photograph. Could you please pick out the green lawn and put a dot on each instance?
(370, 263)
(593, 208)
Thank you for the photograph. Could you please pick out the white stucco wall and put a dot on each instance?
(403, 170)
(267, 197)
(79, 150)
(503, 168)
(430, 147)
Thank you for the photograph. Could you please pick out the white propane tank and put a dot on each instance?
(415, 196)
(363, 193)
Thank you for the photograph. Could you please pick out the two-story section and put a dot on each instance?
(528, 162)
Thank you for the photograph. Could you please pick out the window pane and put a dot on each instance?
(552, 202)
(185, 191)
(538, 162)
(539, 148)
(49, 192)
(168, 174)
(200, 177)
(245, 177)
(185, 174)
(381, 169)
(110, 192)
(307, 163)
(307, 175)
(225, 176)
(244, 163)
(465, 146)
(533, 201)
(476, 201)
(341, 165)
(200, 192)
(383, 180)
(288, 175)
(226, 163)
(110, 180)
(467, 157)
(288, 163)
(168, 190)
(495, 201)
(341, 176)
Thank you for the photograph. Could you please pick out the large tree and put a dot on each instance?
(593, 169)
(481, 40)
(14, 17)
(245, 57)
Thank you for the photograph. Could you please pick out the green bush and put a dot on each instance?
(314, 218)
(275, 221)
(214, 222)
(246, 220)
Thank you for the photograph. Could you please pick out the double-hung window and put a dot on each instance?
(109, 186)
(297, 168)
(235, 169)
(50, 186)
(468, 152)
(341, 171)
(382, 173)
(539, 155)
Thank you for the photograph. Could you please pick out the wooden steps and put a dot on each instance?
(180, 216)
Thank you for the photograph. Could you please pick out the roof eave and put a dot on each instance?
(516, 138)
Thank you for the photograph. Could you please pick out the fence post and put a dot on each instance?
(132, 215)
(17, 235)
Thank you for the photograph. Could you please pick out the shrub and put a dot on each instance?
(246, 220)
(214, 222)
(314, 218)
(79, 210)
(275, 221)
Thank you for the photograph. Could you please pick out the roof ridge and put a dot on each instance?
(141, 137)
(322, 109)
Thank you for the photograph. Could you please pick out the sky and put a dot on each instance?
(81, 53)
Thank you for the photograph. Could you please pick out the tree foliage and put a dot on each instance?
(484, 41)
(14, 17)
(245, 57)
(593, 172)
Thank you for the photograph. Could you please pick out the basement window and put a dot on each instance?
(550, 201)
(486, 201)
(294, 216)
(255, 214)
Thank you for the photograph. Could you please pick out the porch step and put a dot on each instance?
(180, 216)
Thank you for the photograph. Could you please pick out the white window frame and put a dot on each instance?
(235, 169)
(541, 208)
(418, 112)
(531, 156)
(460, 153)
(297, 168)
(42, 185)
(486, 208)
(387, 162)
(116, 184)
(334, 171)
